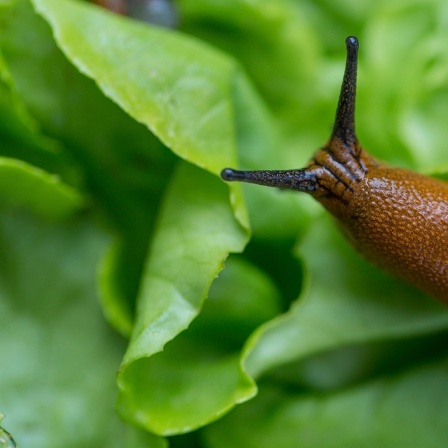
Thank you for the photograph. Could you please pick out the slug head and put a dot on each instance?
(334, 170)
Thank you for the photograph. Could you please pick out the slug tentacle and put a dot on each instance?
(344, 125)
(320, 181)
(299, 180)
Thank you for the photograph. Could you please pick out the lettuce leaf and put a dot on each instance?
(61, 354)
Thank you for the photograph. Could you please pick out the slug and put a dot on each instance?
(396, 218)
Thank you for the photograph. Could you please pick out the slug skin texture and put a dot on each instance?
(396, 218)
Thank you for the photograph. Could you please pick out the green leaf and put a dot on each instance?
(178, 87)
(195, 233)
(57, 383)
(241, 299)
(122, 165)
(25, 186)
(96, 132)
(270, 38)
(147, 84)
(20, 133)
(403, 84)
(345, 302)
(402, 410)
(199, 376)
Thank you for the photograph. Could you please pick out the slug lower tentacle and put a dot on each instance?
(397, 218)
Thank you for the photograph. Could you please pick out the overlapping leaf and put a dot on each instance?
(95, 135)
(195, 232)
(59, 354)
(390, 412)
(176, 86)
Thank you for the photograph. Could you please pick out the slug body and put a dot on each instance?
(395, 217)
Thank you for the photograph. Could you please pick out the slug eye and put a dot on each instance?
(6, 440)
(157, 12)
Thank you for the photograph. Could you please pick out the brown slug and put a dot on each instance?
(395, 217)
